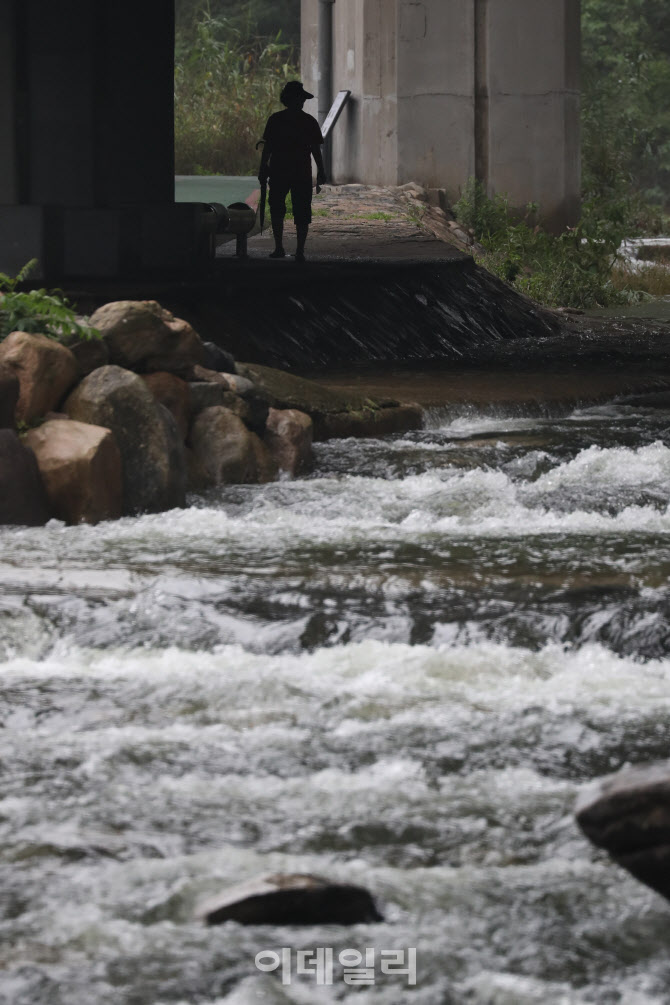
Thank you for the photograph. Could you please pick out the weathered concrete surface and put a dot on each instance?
(628, 814)
(445, 90)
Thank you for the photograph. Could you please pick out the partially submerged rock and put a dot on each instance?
(291, 900)
(142, 335)
(80, 466)
(288, 435)
(225, 452)
(368, 422)
(154, 467)
(285, 390)
(46, 370)
(23, 498)
(628, 814)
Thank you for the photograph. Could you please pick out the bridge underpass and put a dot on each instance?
(441, 90)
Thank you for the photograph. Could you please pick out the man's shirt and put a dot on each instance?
(289, 137)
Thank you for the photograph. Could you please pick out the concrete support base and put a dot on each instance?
(82, 242)
(87, 153)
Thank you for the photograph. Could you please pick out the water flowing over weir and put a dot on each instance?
(398, 672)
(341, 314)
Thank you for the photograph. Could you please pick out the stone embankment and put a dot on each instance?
(132, 422)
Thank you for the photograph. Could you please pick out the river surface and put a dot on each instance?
(399, 672)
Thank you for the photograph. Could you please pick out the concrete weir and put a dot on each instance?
(336, 314)
(341, 313)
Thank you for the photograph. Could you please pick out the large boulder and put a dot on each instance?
(217, 358)
(291, 900)
(628, 814)
(80, 466)
(90, 353)
(256, 400)
(140, 335)
(23, 498)
(208, 395)
(225, 452)
(152, 457)
(46, 371)
(288, 436)
(9, 396)
(174, 393)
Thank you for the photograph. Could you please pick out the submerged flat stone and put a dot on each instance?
(628, 814)
(290, 899)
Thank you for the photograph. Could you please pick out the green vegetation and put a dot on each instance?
(227, 83)
(45, 312)
(572, 269)
(626, 171)
(625, 110)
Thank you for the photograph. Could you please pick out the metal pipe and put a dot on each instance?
(325, 58)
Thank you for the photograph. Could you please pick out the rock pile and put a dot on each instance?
(131, 423)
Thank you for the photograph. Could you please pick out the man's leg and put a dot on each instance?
(278, 234)
(301, 231)
(278, 192)
(301, 194)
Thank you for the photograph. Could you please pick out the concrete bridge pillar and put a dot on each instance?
(87, 125)
(446, 90)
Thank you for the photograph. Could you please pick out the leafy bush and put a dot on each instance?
(227, 84)
(572, 269)
(625, 109)
(45, 312)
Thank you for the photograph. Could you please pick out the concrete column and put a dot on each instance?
(446, 90)
(436, 92)
(529, 117)
(9, 103)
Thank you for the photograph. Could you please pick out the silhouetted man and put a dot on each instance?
(291, 139)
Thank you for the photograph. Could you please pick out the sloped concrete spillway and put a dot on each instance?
(346, 313)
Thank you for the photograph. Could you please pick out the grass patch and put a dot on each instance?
(652, 280)
(572, 269)
(386, 217)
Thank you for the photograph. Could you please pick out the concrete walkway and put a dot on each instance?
(365, 223)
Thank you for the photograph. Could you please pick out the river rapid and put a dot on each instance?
(398, 671)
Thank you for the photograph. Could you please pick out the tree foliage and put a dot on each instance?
(227, 83)
(625, 101)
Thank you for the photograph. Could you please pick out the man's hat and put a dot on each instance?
(294, 90)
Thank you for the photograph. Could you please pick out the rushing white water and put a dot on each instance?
(397, 672)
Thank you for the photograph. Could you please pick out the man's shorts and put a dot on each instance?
(301, 197)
